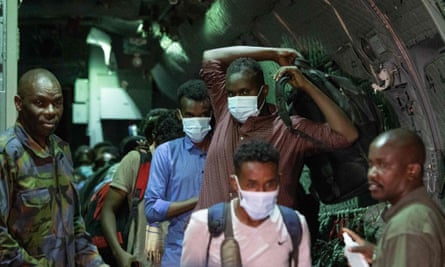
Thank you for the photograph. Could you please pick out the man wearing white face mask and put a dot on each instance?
(177, 167)
(258, 225)
(237, 90)
(243, 107)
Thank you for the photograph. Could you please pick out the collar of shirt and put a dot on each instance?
(418, 195)
(56, 147)
(29, 142)
(190, 146)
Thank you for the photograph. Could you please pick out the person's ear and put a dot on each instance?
(178, 114)
(233, 182)
(265, 90)
(18, 103)
(414, 170)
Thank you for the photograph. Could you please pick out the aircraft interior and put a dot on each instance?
(117, 59)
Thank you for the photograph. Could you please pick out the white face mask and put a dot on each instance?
(243, 107)
(258, 205)
(196, 128)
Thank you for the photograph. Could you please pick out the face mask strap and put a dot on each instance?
(180, 113)
(264, 101)
(260, 91)
(234, 176)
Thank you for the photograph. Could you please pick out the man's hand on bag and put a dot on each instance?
(286, 56)
(153, 244)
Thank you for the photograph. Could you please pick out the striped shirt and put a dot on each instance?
(229, 134)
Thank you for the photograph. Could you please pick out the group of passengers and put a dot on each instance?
(223, 143)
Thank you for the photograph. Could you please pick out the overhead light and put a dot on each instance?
(173, 2)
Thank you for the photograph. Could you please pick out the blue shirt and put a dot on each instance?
(175, 175)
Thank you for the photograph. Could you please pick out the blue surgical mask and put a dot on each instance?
(258, 205)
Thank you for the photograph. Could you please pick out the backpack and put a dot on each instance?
(341, 174)
(93, 183)
(216, 225)
(127, 215)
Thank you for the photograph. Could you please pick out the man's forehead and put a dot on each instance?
(254, 166)
(188, 103)
(40, 86)
(43, 92)
(241, 77)
(44, 81)
(386, 151)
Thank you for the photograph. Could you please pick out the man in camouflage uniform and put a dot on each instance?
(40, 222)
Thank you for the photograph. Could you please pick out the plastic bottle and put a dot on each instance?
(354, 259)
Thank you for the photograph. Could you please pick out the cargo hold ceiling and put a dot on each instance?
(54, 31)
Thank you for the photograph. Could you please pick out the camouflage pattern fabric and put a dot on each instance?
(40, 222)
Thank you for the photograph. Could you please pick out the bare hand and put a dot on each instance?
(286, 56)
(364, 247)
(296, 78)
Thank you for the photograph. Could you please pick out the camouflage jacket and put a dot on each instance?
(40, 222)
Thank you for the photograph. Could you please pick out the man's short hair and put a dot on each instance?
(169, 127)
(161, 125)
(150, 121)
(407, 140)
(245, 64)
(130, 143)
(256, 151)
(194, 89)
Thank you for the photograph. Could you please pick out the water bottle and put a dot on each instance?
(354, 259)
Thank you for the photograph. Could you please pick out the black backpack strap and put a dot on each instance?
(293, 226)
(215, 219)
(281, 101)
(215, 223)
(284, 111)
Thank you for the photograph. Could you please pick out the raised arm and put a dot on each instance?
(283, 56)
(335, 117)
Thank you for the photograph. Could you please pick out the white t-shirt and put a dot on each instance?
(268, 244)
